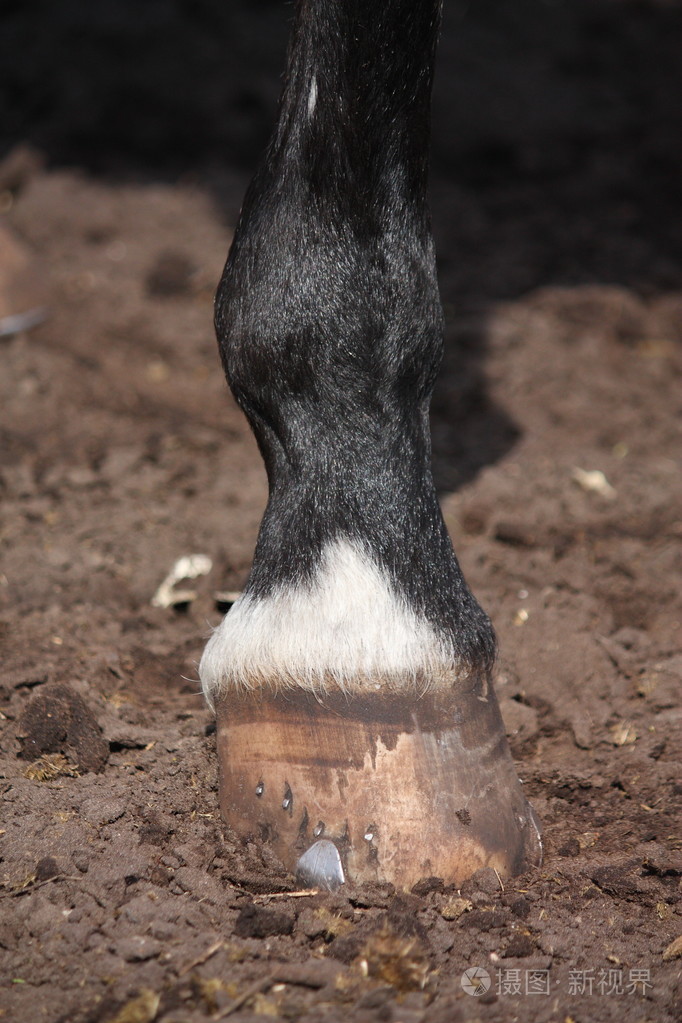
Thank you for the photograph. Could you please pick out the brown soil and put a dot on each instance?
(556, 207)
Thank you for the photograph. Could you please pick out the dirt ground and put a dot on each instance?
(556, 204)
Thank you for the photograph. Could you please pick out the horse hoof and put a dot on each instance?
(376, 785)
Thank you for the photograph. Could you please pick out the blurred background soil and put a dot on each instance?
(127, 136)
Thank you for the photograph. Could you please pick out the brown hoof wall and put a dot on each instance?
(387, 786)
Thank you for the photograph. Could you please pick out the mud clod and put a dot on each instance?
(58, 720)
(259, 922)
(46, 869)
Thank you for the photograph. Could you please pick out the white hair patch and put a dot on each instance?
(347, 628)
